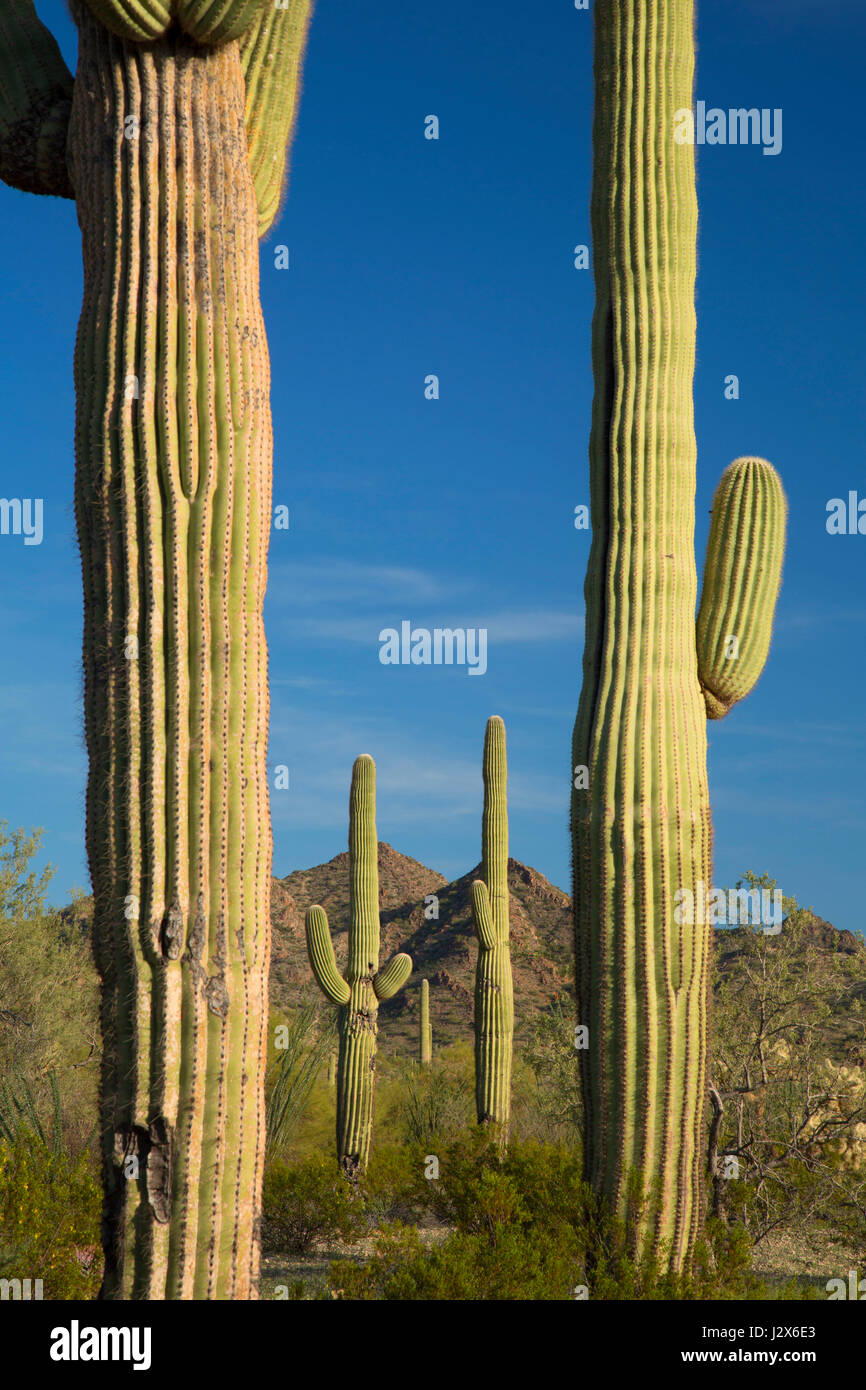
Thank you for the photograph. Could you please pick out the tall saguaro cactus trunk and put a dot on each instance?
(494, 989)
(641, 824)
(173, 494)
(359, 992)
(175, 172)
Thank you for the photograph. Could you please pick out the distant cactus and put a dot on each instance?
(425, 1044)
(332, 1068)
(364, 986)
(494, 998)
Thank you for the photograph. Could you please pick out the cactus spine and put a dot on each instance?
(364, 986)
(425, 1046)
(641, 821)
(494, 994)
(172, 498)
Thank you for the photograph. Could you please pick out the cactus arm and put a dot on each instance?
(741, 584)
(218, 22)
(272, 53)
(35, 104)
(482, 915)
(136, 21)
(211, 22)
(320, 949)
(392, 977)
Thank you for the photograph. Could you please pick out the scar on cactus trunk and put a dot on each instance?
(494, 992)
(161, 145)
(641, 825)
(364, 986)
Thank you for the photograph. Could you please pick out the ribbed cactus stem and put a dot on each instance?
(641, 829)
(494, 997)
(358, 993)
(173, 490)
(425, 1041)
(641, 826)
(172, 500)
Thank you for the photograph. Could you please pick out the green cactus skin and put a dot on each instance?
(358, 994)
(494, 992)
(136, 21)
(425, 1039)
(742, 576)
(35, 102)
(276, 42)
(206, 21)
(172, 499)
(641, 829)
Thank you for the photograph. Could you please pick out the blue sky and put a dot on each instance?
(454, 257)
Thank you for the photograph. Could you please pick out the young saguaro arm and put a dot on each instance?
(742, 577)
(494, 990)
(364, 986)
(173, 512)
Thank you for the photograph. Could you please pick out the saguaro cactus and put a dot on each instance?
(364, 986)
(425, 1032)
(159, 141)
(640, 806)
(494, 995)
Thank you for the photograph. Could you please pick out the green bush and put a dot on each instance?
(393, 1185)
(306, 1202)
(527, 1227)
(50, 1207)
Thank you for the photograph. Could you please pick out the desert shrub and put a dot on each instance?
(547, 1099)
(435, 1103)
(50, 1207)
(306, 1202)
(506, 1266)
(479, 1188)
(48, 987)
(527, 1227)
(393, 1186)
(788, 1078)
(308, 1040)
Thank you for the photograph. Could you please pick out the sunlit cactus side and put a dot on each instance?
(425, 1039)
(173, 510)
(273, 45)
(494, 994)
(359, 992)
(742, 576)
(641, 828)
